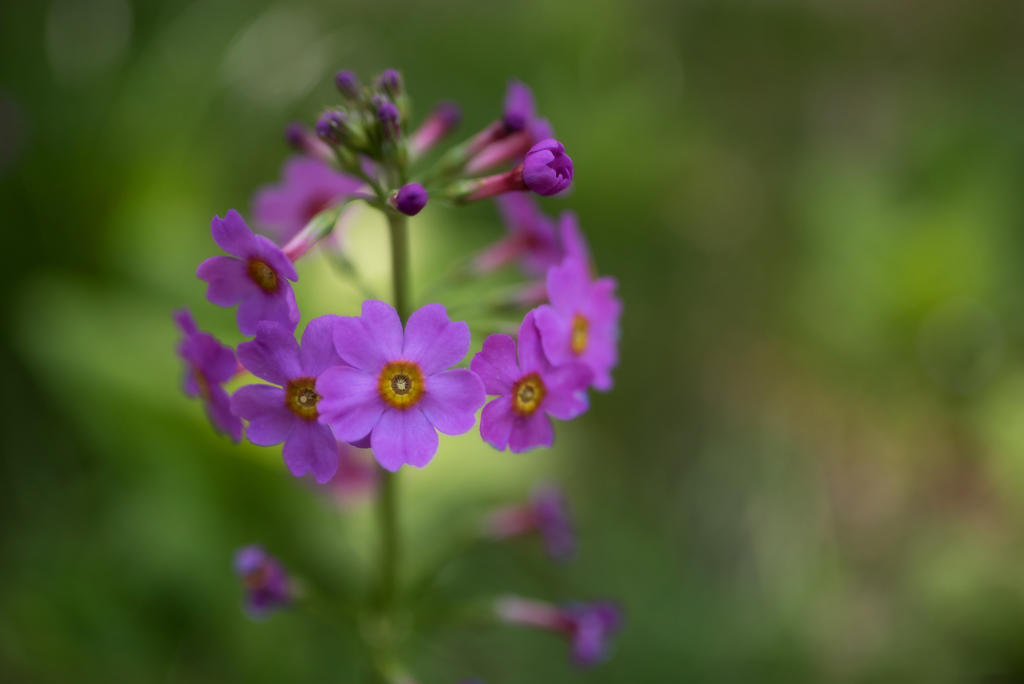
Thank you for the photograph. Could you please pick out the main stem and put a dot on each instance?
(388, 502)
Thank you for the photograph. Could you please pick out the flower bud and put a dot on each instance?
(410, 200)
(442, 121)
(547, 169)
(303, 140)
(347, 84)
(387, 112)
(519, 106)
(390, 81)
(330, 126)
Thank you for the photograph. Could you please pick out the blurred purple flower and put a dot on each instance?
(257, 280)
(582, 321)
(588, 626)
(528, 391)
(442, 121)
(531, 238)
(305, 141)
(307, 187)
(396, 389)
(520, 107)
(347, 84)
(208, 364)
(546, 512)
(288, 413)
(266, 583)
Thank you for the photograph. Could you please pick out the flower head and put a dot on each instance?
(582, 321)
(266, 583)
(257, 280)
(208, 364)
(528, 391)
(547, 169)
(288, 412)
(307, 187)
(520, 107)
(411, 199)
(396, 388)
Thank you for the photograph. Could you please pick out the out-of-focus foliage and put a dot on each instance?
(811, 468)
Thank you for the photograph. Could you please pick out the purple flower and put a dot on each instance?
(397, 390)
(387, 112)
(266, 583)
(519, 106)
(573, 241)
(531, 238)
(588, 626)
(582, 321)
(547, 513)
(307, 187)
(390, 81)
(347, 84)
(208, 364)
(547, 169)
(288, 413)
(330, 126)
(257, 280)
(529, 391)
(410, 200)
(591, 625)
(357, 478)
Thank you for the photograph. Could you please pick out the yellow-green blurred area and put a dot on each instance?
(811, 468)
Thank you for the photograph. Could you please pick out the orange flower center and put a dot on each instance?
(527, 394)
(301, 398)
(401, 384)
(263, 275)
(579, 334)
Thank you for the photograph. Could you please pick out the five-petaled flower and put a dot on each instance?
(257, 280)
(288, 413)
(528, 391)
(208, 364)
(582, 321)
(396, 388)
(307, 187)
(265, 581)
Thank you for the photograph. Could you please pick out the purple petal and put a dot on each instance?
(566, 385)
(434, 342)
(573, 241)
(519, 105)
(311, 446)
(219, 411)
(567, 286)
(496, 364)
(363, 443)
(350, 402)
(233, 236)
(270, 421)
(186, 323)
(519, 211)
(452, 399)
(276, 259)
(531, 355)
(274, 355)
(228, 278)
(318, 352)
(403, 437)
(496, 422)
(531, 432)
(279, 307)
(555, 334)
(370, 340)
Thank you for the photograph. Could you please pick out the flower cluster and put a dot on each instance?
(390, 379)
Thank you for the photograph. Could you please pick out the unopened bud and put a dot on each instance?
(410, 200)
(547, 169)
(347, 84)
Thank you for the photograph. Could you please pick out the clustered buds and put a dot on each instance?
(390, 380)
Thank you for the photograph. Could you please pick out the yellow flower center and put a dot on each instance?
(263, 275)
(301, 398)
(527, 394)
(579, 334)
(401, 384)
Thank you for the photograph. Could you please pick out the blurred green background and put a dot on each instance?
(811, 468)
